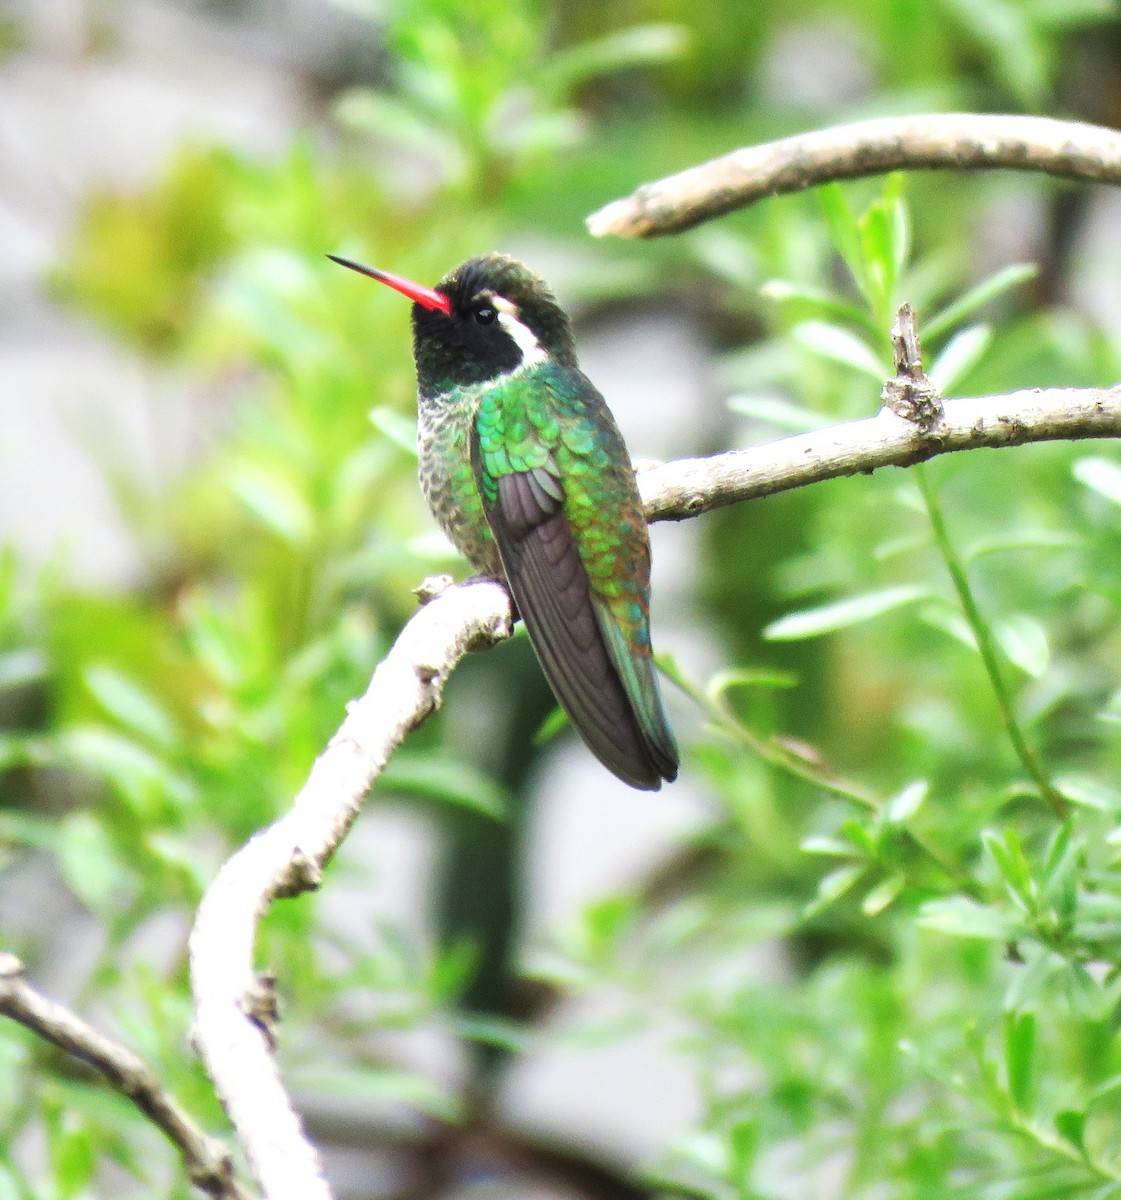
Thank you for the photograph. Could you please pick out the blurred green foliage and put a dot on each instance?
(890, 964)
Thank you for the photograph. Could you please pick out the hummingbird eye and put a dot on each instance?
(485, 314)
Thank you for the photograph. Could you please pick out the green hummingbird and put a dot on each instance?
(526, 471)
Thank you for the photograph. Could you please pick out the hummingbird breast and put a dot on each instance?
(444, 425)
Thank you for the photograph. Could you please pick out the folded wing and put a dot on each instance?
(582, 653)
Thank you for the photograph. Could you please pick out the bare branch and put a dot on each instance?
(208, 1162)
(233, 1011)
(957, 141)
(687, 486)
(234, 1008)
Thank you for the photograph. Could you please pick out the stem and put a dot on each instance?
(783, 760)
(985, 645)
(773, 753)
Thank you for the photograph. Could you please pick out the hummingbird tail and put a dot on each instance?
(640, 682)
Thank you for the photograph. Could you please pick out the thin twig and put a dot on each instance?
(207, 1160)
(911, 394)
(954, 141)
(914, 397)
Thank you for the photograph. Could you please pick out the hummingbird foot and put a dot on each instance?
(491, 577)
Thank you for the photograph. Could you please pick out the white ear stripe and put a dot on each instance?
(532, 354)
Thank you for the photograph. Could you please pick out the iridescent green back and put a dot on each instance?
(553, 417)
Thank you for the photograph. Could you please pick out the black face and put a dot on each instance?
(468, 346)
(471, 344)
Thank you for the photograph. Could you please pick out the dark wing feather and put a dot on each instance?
(547, 578)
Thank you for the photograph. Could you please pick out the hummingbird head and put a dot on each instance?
(489, 317)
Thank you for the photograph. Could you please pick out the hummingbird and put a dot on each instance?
(526, 472)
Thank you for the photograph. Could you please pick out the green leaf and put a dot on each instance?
(834, 886)
(820, 844)
(1086, 997)
(554, 724)
(274, 500)
(452, 969)
(1089, 793)
(635, 46)
(1029, 985)
(397, 429)
(960, 355)
(1007, 855)
(140, 777)
(900, 216)
(963, 917)
(950, 621)
(135, 708)
(777, 412)
(883, 242)
(728, 680)
(493, 1031)
(844, 230)
(1101, 475)
(1060, 872)
(865, 838)
(446, 779)
(903, 805)
(824, 304)
(93, 869)
(401, 1087)
(1018, 52)
(380, 115)
(813, 622)
(184, 856)
(1071, 1125)
(1019, 1054)
(607, 921)
(73, 1155)
(1024, 642)
(882, 895)
(743, 1141)
(840, 345)
(1025, 539)
(977, 297)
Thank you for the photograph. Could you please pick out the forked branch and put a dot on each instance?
(233, 1006)
(207, 1160)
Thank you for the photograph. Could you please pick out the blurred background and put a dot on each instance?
(853, 951)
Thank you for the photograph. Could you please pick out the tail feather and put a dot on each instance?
(636, 673)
